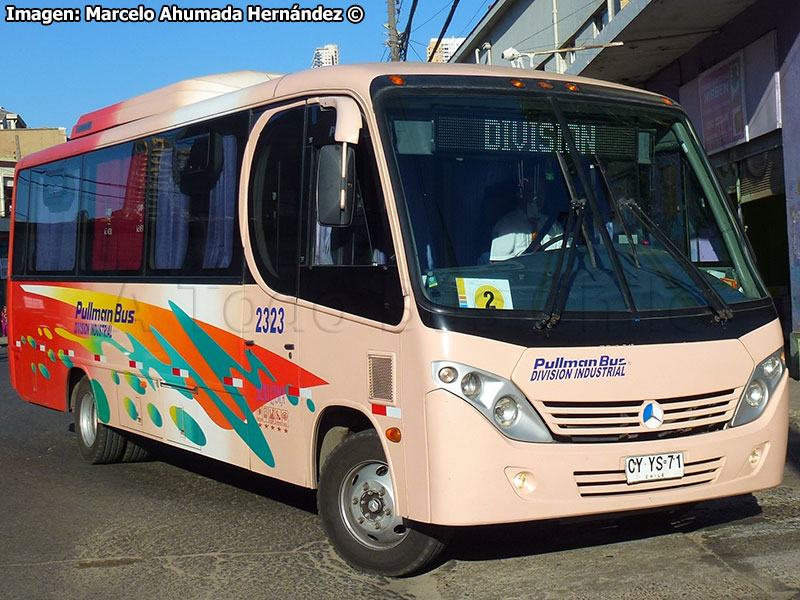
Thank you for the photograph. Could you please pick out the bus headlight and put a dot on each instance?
(471, 384)
(497, 399)
(759, 389)
(756, 393)
(506, 411)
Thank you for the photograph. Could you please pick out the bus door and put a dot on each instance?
(348, 270)
(350, 299)
(273, 165)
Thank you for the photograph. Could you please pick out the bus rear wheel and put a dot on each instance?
(356, 502)
(98, 444)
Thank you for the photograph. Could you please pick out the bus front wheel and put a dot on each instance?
(356, 501)
(98, 444)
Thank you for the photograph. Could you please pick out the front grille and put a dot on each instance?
(613, 483)
(621, 421)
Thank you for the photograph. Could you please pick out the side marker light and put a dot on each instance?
(393, 434)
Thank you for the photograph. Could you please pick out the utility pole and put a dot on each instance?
(394, 41)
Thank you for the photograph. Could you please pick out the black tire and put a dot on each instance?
(134, 452)
(98, 443)
(356, 503)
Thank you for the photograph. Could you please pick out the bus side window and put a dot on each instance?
(192, 192)
(113, 197)
(352, 267)
(52, 217)
(21, 220)
(366, 240)
(274, 203)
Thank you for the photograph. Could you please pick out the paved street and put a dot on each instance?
(179, 528)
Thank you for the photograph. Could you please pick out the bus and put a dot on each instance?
(439, 295)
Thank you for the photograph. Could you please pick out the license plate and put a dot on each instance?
(654, 466)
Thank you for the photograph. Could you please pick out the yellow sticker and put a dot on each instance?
(484, 293)
(488, 296)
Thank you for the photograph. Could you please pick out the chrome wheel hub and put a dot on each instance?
(87, 419)
(366, 501)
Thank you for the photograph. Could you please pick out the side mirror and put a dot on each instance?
(348, 117)
(336, 185)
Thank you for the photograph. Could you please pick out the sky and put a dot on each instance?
(55, 73)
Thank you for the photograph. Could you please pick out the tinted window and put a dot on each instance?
(113, 208)
(21, 220)
(192, 191)
(52, 216)
(275, 199)
(171, 197)
(352, 268)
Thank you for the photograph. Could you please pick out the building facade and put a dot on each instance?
(734, 65)
(444, 52)
(325, 56)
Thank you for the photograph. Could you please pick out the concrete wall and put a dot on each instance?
(790, 91)
(30, 141)
(527, 25)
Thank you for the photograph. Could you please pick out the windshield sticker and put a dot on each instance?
(484, 293)
(603, 367)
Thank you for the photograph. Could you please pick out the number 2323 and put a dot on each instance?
(270, 320)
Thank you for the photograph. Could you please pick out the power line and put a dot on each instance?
(444, 29)
(436, 14)
(407, 31)
(472, 18)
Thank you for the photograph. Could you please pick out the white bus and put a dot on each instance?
(440, 295)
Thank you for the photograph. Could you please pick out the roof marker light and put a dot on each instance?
(517, 83)
(572, 87)
(397, 80)
(667, 101)
(545, 85)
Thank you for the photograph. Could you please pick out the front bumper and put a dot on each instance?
(472, 467)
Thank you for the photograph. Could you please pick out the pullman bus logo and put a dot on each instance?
(652, 415)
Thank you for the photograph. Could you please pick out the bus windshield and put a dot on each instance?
(532, 202)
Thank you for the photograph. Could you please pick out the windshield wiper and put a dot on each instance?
(559, 290)
(559, 287)
(722, 311)
(618, 212)
(573, 195)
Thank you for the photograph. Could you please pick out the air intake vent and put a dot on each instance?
(381, 377)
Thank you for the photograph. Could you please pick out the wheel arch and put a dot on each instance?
(333, 425)
(73, 377)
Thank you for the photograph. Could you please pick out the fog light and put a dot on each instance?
(754, 457)
(756, 393)
(471, 385)
(523, 481)
(506, 411)
(448, 374)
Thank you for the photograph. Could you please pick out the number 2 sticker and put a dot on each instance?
(487, 294)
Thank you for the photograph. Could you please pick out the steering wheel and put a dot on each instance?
(537, 247)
